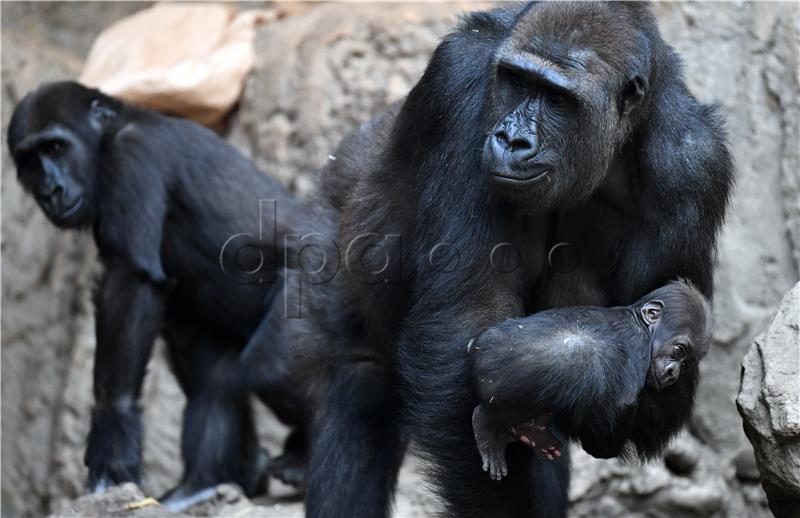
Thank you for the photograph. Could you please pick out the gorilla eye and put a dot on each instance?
(678, 351)
(517, 80)
(514, 78)
(556, 99)
(55, 148)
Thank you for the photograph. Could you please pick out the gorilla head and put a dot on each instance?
(565, 96)
(680, 322)
(54, 137)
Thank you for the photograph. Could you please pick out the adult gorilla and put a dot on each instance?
(550, 156)
(175, 214)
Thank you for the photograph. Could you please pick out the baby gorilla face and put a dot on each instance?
(669, 358)
(680, 326)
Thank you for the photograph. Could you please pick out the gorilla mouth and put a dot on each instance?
(71, 210)
(505, 177)
(652, 381)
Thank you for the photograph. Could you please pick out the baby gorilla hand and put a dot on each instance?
(534, 434)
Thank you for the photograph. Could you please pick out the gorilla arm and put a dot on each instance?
(129, 317)
(687, 174)
(129, 307)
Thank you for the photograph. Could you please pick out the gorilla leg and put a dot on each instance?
(290, 466)
(218, 442)
(534, 487)
(355, 447)
(549, 483)
(466, 489)
(439, 410)
(265, 364)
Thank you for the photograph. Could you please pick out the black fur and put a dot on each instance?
(163, 196)
(584, 370)
(637, 181)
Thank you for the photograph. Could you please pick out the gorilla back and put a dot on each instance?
(553, 156)
(190, 234)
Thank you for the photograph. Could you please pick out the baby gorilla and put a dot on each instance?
(585, 369)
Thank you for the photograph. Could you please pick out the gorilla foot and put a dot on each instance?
(491, 444)
(257, 481)
(183, 497)
(289, 468)
(103, 483)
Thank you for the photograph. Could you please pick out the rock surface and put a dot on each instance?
(769, 402)
(321, 72)
(123, 501)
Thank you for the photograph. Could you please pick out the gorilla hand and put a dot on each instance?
(114, 451)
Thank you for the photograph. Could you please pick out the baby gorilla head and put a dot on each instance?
(680, 322)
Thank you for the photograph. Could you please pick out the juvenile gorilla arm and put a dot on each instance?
(129, 304)
(129, 317)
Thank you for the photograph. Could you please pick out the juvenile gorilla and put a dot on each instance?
(582, 371)
(550, 156)
(175, 215)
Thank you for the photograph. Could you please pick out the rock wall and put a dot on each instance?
(320, 72)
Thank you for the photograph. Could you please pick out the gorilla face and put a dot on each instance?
(562, 113)
(55, 168)
(680, 322)
(524, 146)
(54, 137)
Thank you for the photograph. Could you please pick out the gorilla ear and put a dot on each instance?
(632, 94)
(100, 114)
(651, 311)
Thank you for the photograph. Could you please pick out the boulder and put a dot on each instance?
(769, 403)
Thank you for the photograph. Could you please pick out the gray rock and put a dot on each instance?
(769, 402)
(321, 73)
(46, 274)
(746, 467)
(123, 500)
(682, 457)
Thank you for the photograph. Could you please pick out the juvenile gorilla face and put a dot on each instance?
(562, 113)
(54, 143)
(52, 167)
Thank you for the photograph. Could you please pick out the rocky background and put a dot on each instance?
(320, 72)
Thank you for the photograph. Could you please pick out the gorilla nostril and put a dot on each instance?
(51, 192)
(523, 149)
(502, 136)
(520, 147)
(52, 198)
(520, 144)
